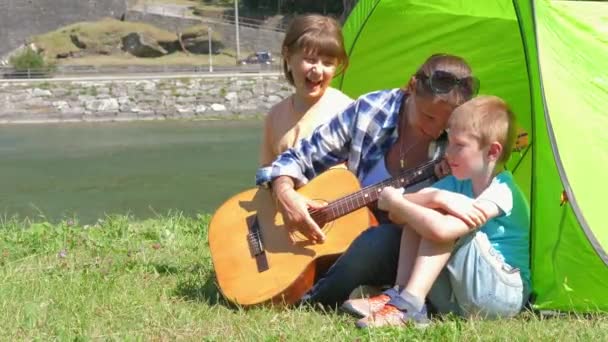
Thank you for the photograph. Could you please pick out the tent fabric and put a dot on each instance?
(546, 58)
(388, 39)
(569, 259)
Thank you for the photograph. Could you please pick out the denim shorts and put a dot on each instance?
(478, 283)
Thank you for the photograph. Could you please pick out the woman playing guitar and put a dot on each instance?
(378, 136)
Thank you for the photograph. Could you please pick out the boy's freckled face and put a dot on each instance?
(312, 73)
(464, 155)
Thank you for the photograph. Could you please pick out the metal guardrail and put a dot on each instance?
(254, 23)
(231, 20)
(224, 18)
(91, 70)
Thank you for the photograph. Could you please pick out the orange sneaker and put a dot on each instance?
(390, 315)
(364, 307)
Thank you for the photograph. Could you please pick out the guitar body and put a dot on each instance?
(284, 270)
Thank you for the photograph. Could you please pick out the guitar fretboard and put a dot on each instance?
(370, 194)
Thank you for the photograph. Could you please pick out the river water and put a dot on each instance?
(89, 170)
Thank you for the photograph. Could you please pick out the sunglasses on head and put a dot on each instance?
(442, 82)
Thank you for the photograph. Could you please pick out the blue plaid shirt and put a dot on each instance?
(361, 135)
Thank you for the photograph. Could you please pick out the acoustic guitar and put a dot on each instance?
(256, 260)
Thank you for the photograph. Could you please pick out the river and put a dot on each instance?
(89, 170)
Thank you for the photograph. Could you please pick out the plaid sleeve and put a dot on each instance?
(328, 145)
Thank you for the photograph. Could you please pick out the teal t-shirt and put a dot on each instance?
(509, 233)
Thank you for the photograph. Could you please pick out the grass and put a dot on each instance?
(124, 279)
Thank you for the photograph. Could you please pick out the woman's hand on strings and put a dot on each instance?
(295, 210)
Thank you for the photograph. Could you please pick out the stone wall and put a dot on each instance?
(151, 99)
(21, 19)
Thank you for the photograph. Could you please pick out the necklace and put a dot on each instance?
(403, 125)
(402, 159)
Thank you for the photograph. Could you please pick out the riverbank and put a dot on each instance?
(110, 119)
(202, 97)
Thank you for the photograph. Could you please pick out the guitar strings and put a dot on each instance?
(321, 213)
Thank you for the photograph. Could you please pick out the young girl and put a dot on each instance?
(313, 53)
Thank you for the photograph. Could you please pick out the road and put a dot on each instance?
(116, 77)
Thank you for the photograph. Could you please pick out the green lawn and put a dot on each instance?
(123, 279)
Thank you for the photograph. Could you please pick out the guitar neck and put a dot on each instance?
(370, 194)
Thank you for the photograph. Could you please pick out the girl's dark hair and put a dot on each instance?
(316, 34)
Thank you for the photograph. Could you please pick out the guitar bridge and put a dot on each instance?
(256, 247)
(254, 238)
(255, 243)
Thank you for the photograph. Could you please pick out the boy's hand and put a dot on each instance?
(462, 207)
(388, 197)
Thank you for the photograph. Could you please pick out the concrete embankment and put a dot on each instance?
(146, 98)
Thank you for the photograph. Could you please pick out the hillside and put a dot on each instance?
(154, 31)
(111, 41)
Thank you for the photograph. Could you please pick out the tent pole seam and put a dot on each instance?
(533, 122)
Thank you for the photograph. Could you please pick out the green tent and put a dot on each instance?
(549, 60)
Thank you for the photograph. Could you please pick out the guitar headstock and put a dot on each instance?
(437, 147)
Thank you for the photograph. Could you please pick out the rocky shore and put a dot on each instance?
(149, 99)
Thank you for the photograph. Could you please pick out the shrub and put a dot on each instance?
(27, 59)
